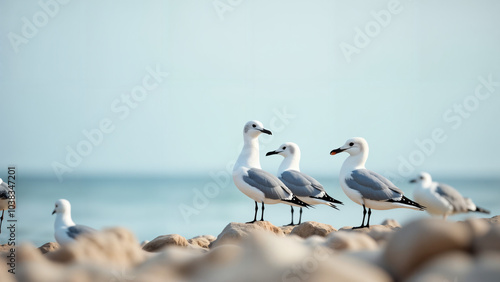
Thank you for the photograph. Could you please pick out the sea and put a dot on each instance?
(192, 205)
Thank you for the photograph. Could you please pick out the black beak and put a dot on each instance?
(413, 181)
(266, 131)
(336, 151)
(271, 153)
(54, 211)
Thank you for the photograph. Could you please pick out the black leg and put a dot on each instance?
(262, 215)
(300, 217)
(363, 222)
(1, 220)
(291, 223)
(255, 215)
(369, 214)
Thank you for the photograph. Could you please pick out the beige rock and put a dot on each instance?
(5, 248)
(379, 233)
(350, 241)
(287, 229)
(310, 228)
(488, 242)
(476, 227)
(111, 247)
(234, 232)
(49, 247)
(202, 241)
(391, 222)
(5, 275)
(495, 220)
(446, 267)
(422, 240)
(486, 268)
(163, 241)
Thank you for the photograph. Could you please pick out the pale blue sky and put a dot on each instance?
(255, 59)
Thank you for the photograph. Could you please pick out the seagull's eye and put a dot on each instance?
(421, 177)
(351, 144)
(283, 148)
(56, 206)
(253, 125)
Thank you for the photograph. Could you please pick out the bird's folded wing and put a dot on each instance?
(301, 184)
(74, 231)
(373, 186)
(269, 184)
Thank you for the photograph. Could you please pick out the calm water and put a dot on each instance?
(191, 206)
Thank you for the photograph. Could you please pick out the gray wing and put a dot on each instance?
(269, 184)
(301, 184)
(373, 186)
(4, 191)
(77, 230)
(452, 196)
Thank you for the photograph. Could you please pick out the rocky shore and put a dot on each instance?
(423, 250)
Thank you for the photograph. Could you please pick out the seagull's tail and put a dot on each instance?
(478, 209)
(297, 202)
(329, 199)
(408, 202)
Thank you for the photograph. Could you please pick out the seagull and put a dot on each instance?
(366, 187)
(6, 201)
(306, 188)
(442, 199)
(248, 176)
(65, 230)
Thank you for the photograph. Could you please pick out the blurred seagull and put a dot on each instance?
(366, 187)
(65, 230)
(5, 199)
(259, 185)
(442, 199)
(302, 185)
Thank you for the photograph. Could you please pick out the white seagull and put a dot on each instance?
(302, 185)
(366, 187)
(6, 201)
(65, 230)
(248, 176)
(442, 199)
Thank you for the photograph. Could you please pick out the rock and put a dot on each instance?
(422, 240)
(115, 247)
(477, 227)
(379, 233)
(310, 228)
(350, 241)
(287, 229)
(235, 232)
(488, 242)
(161, 242)
(49, 247)
(391, 223)
(5, 248)
(495, 220)
(202, 241)
(446, 267)
(485, 269)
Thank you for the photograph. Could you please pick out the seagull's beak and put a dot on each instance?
(413, 181)
(336, 151)
(272, 153)
(54, 211)
(263, 130)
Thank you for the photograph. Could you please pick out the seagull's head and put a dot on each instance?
(62, 206)
(254, 128)
(423, 178)
(286, 149)
(353, 146)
